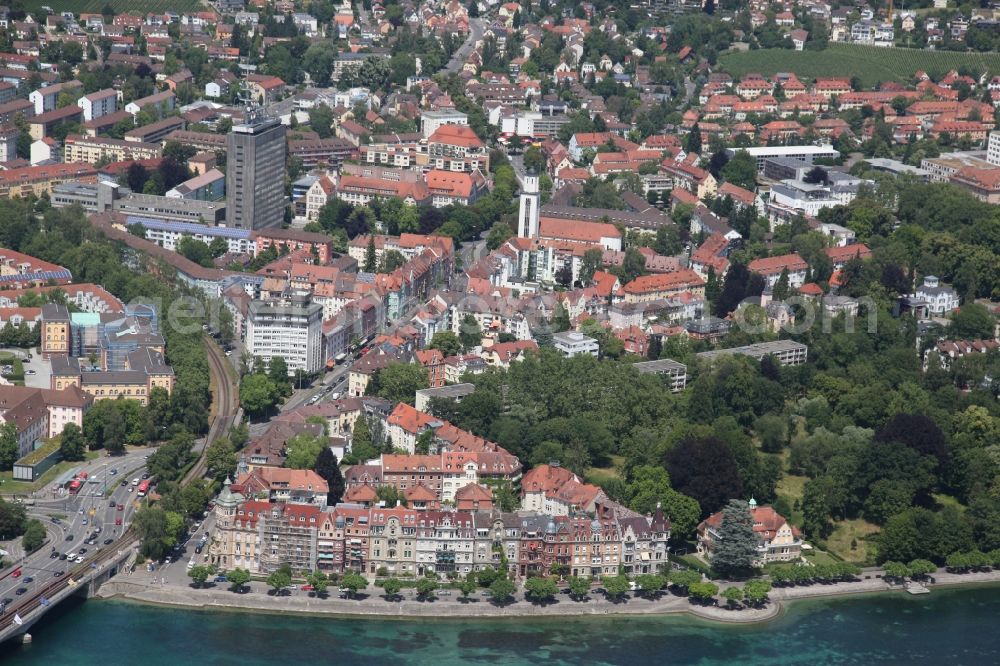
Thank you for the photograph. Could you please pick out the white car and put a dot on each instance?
(135, 481)
(79, 559)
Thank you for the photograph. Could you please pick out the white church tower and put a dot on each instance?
(527, 214)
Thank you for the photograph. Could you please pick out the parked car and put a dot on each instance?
(221, 579)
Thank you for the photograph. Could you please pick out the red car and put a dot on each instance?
(121, 507)
(16, 573)
(307, 588)
(118, 521)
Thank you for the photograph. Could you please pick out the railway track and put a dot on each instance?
(226, 408)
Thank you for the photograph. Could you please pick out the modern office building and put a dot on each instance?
(291, 328)
(255, 173)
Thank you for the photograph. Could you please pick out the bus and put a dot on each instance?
(143, 488)
(74, 486)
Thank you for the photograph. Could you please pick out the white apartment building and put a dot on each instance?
(97, 104)
(431, 120)
(993, 148)
(291, 328)
(574, 343)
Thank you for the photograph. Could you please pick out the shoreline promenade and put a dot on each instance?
(371, 603)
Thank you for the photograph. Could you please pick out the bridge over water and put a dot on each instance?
(83, 580)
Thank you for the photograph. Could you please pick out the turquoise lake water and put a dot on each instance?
(957, 626)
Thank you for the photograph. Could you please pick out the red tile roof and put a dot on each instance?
(409, 419)
(456, 135)
(773, 265)
(847, 252)
(678, 280)
(576, 230)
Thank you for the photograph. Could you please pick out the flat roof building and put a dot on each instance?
(255, 173)
(675, 372)
(806, 153)
(291, 328)
(574, 343)
(787, 352)
(453, 392)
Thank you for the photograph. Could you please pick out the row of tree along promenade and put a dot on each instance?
(681, 591)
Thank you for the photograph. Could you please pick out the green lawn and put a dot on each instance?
(847, 531)
(869, 63)
(141, 7)
(596, 474)
(819, 557)
(947, 500)
(692, 561)
(790, 487)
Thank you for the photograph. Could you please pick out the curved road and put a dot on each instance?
(80, 515)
